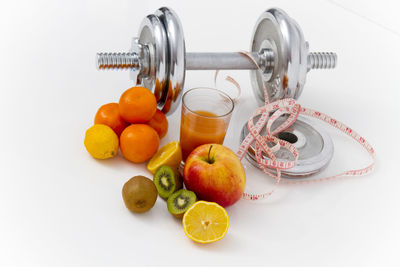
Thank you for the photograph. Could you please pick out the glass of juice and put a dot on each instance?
(206, 113)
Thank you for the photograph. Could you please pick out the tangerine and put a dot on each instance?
(108, 114)
(137, 105)
(159, 123)
(139, 142)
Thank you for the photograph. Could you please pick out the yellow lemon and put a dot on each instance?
(205, 222)
(170, 154)
(101, 141)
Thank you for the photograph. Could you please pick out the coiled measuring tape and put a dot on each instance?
(292, 110)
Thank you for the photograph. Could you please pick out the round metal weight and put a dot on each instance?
(314, 146)
(277, 32)
(176, 58)
(153, 39)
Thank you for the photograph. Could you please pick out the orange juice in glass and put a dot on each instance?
(206, 113)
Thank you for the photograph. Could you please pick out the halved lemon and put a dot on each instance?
(170, 154)
(205, 222)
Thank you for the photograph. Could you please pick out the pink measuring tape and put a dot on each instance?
(288, 107)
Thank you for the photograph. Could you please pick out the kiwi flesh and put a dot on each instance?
(180, 201)
(167, 180)
(139, 194)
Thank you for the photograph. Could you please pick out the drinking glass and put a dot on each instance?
(206, 113)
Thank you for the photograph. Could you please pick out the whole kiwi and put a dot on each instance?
(139, 194)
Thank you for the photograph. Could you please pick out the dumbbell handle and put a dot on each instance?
(194, 61)
(220, 61)
(214, 61)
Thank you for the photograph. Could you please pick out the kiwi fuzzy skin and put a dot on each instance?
(179, 216)
(139, 194)
(178, 181)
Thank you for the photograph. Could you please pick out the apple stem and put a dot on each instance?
(209, 151)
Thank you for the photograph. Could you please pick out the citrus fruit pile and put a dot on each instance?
(135, 125)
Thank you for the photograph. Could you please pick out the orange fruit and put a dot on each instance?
(170, 154)
(205, 222)
(159, 123)
(108, 114)
(137, 105)
(139, 142)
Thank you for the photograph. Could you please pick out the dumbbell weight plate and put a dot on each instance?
(315, 147)
(275, 30)
(176, 58)
(152, 35)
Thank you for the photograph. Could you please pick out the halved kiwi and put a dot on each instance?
(180, 201)
(167, 181)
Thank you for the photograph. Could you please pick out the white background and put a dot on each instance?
(60, 207)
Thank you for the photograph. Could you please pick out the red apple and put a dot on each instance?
(215, 174)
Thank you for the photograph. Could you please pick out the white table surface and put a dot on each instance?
(60, 207)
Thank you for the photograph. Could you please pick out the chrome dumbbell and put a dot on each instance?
(158, 59)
